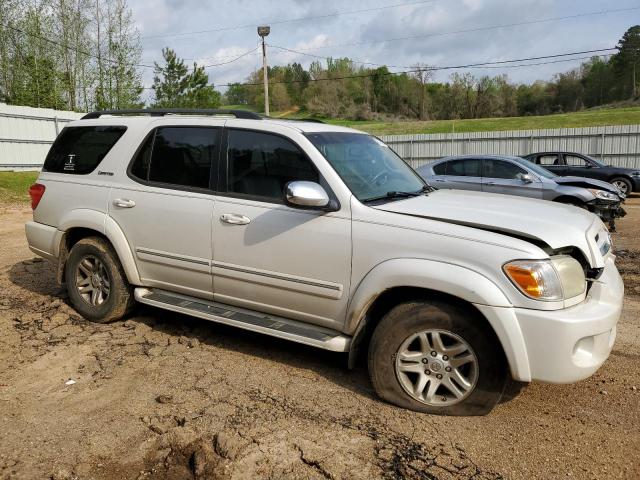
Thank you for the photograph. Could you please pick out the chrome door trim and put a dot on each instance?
(278, 280)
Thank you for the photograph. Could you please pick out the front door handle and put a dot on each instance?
(124, 203)
(235, 219)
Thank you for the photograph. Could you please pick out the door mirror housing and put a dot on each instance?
(308, 195)
(525, 178)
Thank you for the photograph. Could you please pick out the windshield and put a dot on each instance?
(367, 165)
(535, 168)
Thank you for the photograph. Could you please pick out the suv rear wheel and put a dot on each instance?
(437, 358)
(96, 283)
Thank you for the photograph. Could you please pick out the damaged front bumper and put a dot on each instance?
(607, 211)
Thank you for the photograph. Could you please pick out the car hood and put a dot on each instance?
(554, 224)
(587, 183)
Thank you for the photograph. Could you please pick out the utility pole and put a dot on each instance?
(263, 32)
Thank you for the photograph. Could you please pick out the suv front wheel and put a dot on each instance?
(96, 283)
(436, 358)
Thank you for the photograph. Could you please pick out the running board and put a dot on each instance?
(247, 319)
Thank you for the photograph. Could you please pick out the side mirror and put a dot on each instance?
(309, 195)
(525, 178)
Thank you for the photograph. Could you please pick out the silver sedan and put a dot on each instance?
(516, 176)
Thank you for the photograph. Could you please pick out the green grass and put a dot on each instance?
(14, 186)
(587, 118)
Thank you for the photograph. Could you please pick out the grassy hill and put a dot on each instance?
(587, 118)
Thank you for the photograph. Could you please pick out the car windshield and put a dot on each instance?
(371, 169)
(535, 168)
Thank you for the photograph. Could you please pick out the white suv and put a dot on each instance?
(322, 235)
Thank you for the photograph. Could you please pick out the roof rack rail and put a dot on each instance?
(312, 120)
(160, 112)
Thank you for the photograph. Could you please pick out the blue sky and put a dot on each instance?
(369, 35)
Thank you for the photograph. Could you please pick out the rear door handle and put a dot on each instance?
(124, 203)
(235, 219)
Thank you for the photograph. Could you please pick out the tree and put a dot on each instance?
(422, 75)
(175, 86)
(625, 62)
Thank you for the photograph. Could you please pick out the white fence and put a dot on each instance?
(615, 145)
(27, 133)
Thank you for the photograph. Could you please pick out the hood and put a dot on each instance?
(587, 183)
(541, 221)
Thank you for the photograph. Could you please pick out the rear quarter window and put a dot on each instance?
(440, 169)
(79, 150)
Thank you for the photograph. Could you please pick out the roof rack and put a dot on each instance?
(311, 120)
(160, 112)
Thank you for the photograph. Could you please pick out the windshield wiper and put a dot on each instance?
(398, 194)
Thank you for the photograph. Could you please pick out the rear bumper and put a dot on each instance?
(568, 345)
(43, 240)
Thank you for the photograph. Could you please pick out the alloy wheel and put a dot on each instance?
(621, 185)
(437, 367)
(92, 280)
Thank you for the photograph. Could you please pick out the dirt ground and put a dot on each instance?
(162, 395)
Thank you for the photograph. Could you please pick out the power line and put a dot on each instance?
(242, 55)
(475, 29)
(324, 57)
(489, 64)
(291, 20)
(441, 68)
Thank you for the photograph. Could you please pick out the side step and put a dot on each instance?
(249, 320)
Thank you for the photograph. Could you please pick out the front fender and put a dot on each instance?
(577, 192)
(457, 281)
(102, 223)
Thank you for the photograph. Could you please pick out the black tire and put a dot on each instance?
(119, 301)
(407, 319)
(625, 181)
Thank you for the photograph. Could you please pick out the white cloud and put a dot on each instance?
(367, 30)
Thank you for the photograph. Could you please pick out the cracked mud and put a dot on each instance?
(161, 395)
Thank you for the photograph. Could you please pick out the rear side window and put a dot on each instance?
(180, 156)
(440, 169)
(79, 150)
(551, 159)
(464, 168)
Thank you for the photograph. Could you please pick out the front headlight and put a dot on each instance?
(604, 195)
(555, 279)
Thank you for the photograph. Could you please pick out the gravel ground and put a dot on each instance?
(162, 395)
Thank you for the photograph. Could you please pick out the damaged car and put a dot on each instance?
(516, 176)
